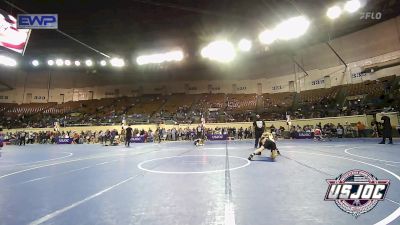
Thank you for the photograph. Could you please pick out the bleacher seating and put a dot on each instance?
(216, 107)
(241, 102)
(318, 95)
(279, 100)
(369, 88)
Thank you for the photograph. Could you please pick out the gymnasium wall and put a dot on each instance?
(376, 44)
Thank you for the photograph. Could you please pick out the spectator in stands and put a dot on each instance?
(340, 131)
(122, 137)
(173, 134)
(387, 130)
(21, 136)
(361, 129)
(293, 132)
(398, 128)
(272, 128)
(31, 137)
(2, 138)
(240, 133)
(375, 132)
(159, 134)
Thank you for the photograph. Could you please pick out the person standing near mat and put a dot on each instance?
(1, 139)
(259, 127)
(128, 136)
(387, 130)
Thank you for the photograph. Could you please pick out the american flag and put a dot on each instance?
(11, 37)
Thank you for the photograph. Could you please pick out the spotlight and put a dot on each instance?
(221, 51)
(267, 37)
(50, 62)
(7, 61)
(352, 6)
(103, 62)
(141, 60)
(35, 62)
(89, 62)
(59, 62)
(77, 63)
(334, 12)
(244, 45)
(67, 62)
(292, 28)
(172, 56)
(117, 62)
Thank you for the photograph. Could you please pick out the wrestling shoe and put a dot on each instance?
(251, 156)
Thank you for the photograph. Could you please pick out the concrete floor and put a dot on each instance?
(180, 184)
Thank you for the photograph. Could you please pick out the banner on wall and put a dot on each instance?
(139, 139)
(217, 137)
(10, 36)
(304, 135)
(277, 87)
(61, 141)
(318, 82)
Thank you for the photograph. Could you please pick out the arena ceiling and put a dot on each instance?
(132, 27)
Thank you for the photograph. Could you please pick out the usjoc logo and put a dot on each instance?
(37, 21)
(356, 191)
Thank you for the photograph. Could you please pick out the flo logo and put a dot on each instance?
(356, 191)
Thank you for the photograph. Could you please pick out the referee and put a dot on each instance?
(259, 127)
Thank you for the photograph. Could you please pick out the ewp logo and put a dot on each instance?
(37, 21)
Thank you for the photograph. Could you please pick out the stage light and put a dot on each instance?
(334, 12)
(221, 51)
(244, 45)
(352, 6)
(50, 62)
(7, 61)
(172, 56)
(117, 62)
(292, 28)
(67, 62)
(141, 60)
(59, 62)
(103, 62)
(267, 37)
(89, 62)
(77, 63)
(35, 62)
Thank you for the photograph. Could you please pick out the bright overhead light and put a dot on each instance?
(292, 28)
(89, 62)
(59, 62)
(50, 62)
(67, 62)
(267, 37)
(35, 62)
(117, 62)
(334, 12)
(77, 63)
(7, 61)
(244, 45)
(221, 51)
(172, 56)
(103, 62)
(352, 6)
